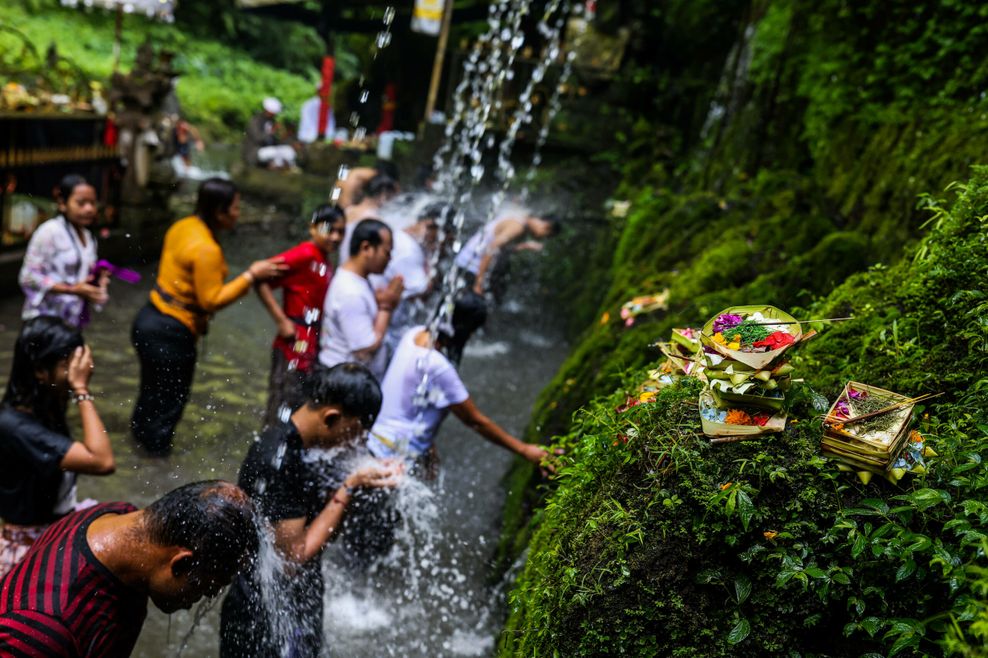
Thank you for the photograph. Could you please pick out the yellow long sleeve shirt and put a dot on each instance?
(191, 273)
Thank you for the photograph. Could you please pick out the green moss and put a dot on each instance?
(664, 545)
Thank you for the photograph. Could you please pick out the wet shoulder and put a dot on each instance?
(63, 563)
(22, 433)
(276, 450)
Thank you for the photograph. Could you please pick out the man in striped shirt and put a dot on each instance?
(82, 589)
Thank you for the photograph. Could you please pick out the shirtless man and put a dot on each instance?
(378, 191)
(481, 251)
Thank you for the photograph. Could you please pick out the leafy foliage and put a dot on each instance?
(220, 86)
(665, 545)
(787, 174)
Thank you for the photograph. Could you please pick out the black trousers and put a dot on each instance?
(167, 352)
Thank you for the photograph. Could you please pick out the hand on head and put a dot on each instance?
(81, 368)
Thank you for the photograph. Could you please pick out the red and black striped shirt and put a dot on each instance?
(61, 601)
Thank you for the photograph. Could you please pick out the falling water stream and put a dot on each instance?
(504, 369)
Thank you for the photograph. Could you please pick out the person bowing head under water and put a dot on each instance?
(410, 416)
(305, 501)
(98, 567)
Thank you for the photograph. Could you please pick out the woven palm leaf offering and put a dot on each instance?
(680, 353)
(745, 356)
(736, 422)
(754, 336)
(643, 305)
(867, 429)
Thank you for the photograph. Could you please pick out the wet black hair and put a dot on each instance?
(554, 221)
(437, 211)
(214, 519)
(388, 168)
(469, 315)
(327, 214)
(216, 195)
(66, 186)
(350, 385)
(422, 175)
(378, 185)
(42, 343)
(369, 231)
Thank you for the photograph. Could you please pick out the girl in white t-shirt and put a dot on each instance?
(421, 387)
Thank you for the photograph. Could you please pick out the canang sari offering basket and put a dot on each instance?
(720, 420)
(746, 334)
(745, 361)
(873, 442)
(680, 353)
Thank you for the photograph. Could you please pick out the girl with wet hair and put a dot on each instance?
(190, 288)
(57, 274)
(39, 460)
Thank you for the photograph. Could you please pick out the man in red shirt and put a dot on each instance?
(82, 589)
(299, 316)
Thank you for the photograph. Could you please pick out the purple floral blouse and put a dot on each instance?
(55, 254)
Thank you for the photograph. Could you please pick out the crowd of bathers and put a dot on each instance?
(365, 357)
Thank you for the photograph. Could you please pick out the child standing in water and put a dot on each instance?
(57, 274)
(299, 315)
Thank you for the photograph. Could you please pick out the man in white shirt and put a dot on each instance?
(410, 255)
(355, 316)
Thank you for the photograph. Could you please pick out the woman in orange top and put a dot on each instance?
(189, 289)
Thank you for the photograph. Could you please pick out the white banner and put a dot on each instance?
(427, 17)
(160, 9)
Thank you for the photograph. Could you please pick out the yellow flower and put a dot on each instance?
(725, 486)
(719, 338)
(770, 534)
(605, 318)
(646, 396)
(734, 346)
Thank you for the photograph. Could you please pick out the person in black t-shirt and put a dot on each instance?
(305, 506)
(38, 458)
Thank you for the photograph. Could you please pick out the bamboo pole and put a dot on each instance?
(892, 407)
(437, 65)
(117, 36)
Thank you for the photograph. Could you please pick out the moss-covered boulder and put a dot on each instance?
(656, 543)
